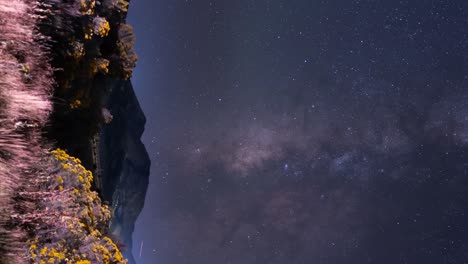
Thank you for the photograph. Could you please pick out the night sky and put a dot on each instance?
(303, 131)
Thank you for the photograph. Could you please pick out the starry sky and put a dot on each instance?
(303, 131)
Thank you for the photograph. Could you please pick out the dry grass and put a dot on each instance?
(25, 86)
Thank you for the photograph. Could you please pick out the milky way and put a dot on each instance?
(305, 132)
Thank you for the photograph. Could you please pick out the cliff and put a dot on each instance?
(123, 161)
(91, 46)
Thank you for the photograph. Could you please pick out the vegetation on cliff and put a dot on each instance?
(90, 42)
(52, 53)
(70, 217)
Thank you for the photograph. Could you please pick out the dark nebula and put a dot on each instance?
(304, 131)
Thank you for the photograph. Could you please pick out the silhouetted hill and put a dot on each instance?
(124, 161)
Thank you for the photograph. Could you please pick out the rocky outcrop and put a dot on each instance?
(124, 164)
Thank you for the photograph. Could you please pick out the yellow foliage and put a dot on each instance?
(101, 27)
(43, 251)
(25, 68)
(88, 33)
(75, 104)
(83, 216)
(122, 5)
(99, 65)
(83, 262)
(59, 179)
(87, 7)
(76, 50)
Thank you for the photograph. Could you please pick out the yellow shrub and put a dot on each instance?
(82, 220)
(101, 27)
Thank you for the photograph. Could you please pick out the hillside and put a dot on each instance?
(63, 68)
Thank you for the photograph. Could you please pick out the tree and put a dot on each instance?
(127, 57)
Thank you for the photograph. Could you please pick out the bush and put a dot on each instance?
(71, 220)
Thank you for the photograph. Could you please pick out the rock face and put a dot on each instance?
(123, 162)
